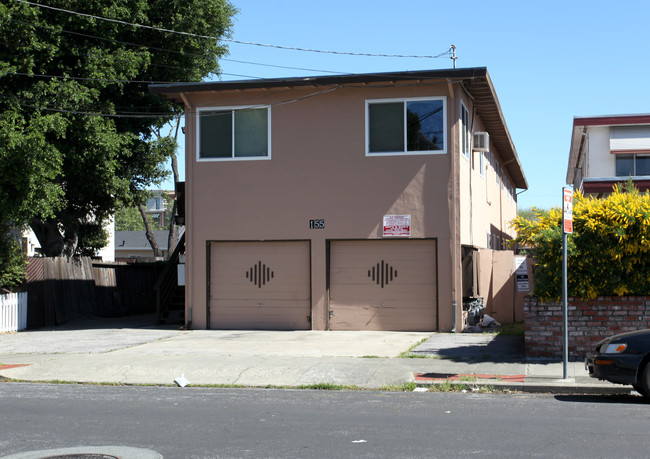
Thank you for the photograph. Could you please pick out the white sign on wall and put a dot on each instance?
(397, 225)
(521, 271)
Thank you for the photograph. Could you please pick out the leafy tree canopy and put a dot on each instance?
(608, 251)
(77, 123)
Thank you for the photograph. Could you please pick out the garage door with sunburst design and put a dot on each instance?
(260, 285)
(383, 285)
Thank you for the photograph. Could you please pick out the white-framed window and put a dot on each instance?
(406, 126)
(465, 131)
(233, 133)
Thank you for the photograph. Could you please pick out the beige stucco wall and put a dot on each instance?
(318, 170)
(600, 162)
(497, 285)
(485, 206)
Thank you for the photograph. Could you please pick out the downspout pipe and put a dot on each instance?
(454, 210)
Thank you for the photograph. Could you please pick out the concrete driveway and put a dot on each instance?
(136, 335)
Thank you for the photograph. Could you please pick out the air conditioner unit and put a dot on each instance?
(481, 141)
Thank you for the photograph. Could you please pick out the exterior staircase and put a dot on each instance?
(170, 297)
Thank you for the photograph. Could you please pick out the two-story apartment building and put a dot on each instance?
(351, 202)
(606, 150)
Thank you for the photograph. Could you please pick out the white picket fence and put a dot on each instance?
(13, 312)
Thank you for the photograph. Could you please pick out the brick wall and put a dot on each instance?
(589, 321)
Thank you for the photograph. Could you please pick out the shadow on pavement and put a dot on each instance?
(630, 398)
(90, 322)
(473, 347)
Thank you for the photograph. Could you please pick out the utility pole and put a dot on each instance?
(453, 54)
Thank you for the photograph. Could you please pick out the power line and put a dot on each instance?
(27, 103)
(265, 45)
(103, 80)
(182, 53)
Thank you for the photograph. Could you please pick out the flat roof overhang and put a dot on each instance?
(604, 186)
(475, 80)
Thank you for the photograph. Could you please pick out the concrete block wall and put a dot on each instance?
(589, 321)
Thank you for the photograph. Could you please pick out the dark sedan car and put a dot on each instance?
(623, 359)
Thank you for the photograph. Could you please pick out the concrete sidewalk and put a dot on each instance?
(131, 352)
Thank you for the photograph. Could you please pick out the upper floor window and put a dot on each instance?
(465, 131)
(407, 126)
(234, 133)
(632, 165)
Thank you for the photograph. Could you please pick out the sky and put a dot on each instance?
(549, 61)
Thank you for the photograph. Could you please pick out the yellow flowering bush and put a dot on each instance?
(608, 251)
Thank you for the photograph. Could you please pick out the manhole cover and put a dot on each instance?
(88, 452)
(82, 456)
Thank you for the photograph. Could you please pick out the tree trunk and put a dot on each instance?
(53, 242)
(149, 232)
(172, 239)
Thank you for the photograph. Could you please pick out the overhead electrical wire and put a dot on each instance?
(182, 53)
(265, 45)
(156, 115)
(25, 103)
(103, 80)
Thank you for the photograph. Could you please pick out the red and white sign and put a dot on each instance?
(397, 225)
(567, 206)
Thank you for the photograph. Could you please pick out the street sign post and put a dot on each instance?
(567, 207)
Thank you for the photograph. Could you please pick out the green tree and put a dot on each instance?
(12, 263)
(78, 128)
(130, 219)
(608, 251)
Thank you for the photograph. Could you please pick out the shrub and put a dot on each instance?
(608, 252)
(12, 264)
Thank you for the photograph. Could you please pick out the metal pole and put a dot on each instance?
(565, 306)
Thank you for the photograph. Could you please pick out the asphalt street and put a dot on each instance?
(271, 423)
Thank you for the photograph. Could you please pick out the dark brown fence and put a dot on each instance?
(63, 288)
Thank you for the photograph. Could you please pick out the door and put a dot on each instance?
(260, 285)
(383, 285)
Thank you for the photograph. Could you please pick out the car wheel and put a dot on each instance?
(644, 383)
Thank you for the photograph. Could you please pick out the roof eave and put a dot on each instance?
(489, 110)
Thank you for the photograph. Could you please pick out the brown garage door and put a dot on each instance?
(383, 285)
(260, 285)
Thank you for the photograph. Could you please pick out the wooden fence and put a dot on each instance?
(61, 289)
(13, 312)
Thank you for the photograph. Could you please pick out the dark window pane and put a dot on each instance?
(216, 135)
(643, 165)
(425, 121)
(624, 165)
(465, 130)
(251, 132)
(386, 127)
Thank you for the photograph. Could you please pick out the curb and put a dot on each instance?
(535, 387)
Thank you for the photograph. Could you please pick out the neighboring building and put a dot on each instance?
(32, 247)
(606, 150)
(158, 206)
(352, 202)
(131, 245)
